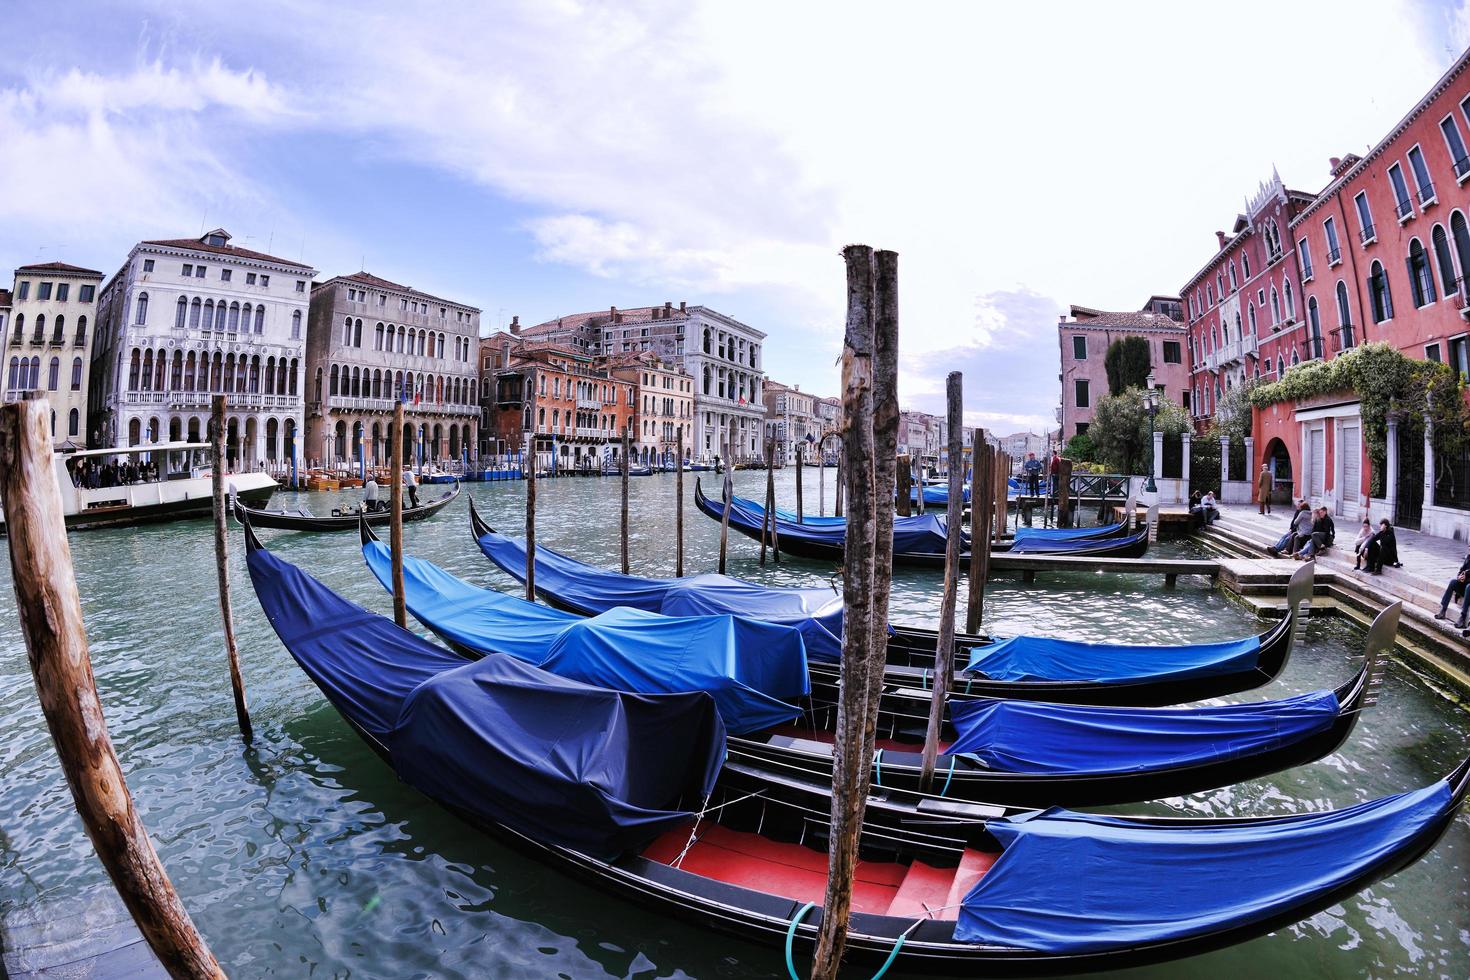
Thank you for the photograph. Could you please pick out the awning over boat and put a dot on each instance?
(816, 613)
(557, 760)
(749, 667)
(1066, 533)
(1073, 882)
(1061, 739)
(1039, 658)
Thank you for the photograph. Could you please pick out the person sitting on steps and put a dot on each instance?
(1323, 531)
(1364, 533)
(1300, 529)
(1456, 589)
(1382, 549)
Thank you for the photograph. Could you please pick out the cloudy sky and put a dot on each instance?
(555, 156)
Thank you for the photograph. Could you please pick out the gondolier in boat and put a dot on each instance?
(370, 496)
(411, 486)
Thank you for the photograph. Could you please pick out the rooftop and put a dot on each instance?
(204, 244)
(377, 282)
(1086, 316)
(61, 268)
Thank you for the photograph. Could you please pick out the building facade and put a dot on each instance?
(721, 355)
(186, 319)
(665, 396)
(1018, 444)
(52, 313)
(792, 422)
(372, 343)
(566, 406)
(1083, 336)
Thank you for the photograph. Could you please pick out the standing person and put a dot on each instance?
(1056, 471)
(370, 496)
(1032, 469)
(1364, 533)
(1456, 589)
(411, 484)
(1382, 549)
(1265, 483)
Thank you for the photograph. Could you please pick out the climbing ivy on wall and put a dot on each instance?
(1389, 386)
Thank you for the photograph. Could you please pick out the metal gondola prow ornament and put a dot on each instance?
(1381, 638)
(1299, 595)
(1153, 523)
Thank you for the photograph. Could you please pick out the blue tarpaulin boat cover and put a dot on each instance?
(816, 613)
(1060, 546)
(924, 534)
(1060, 739)
(1039, 658)
(936, 494)
(1075, 882)
(749, 667)
(559, 761)
(1066, 533)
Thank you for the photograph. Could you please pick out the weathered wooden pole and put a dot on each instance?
(852, 751)
(1064, 493)
(944, 649)
(395, 518)
(531, 525)
(917, 475)
(885, 468)
(679, 505)
(905, 489)
(222, 567)
(800, 515)
(982, 501)
(766, 511)
(50, 610)
(728, 490)
(822, 477)
(1000, 483)
(838, 499)
(623, 507)
(771, 499)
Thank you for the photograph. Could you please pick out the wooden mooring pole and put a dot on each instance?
(531, 525)
(50, 609)
(679, 504)
(944, 649)
(623, 506)
(771, 499)
(728, 491)
(800, 516)
(869, 448)
(905, 487)
(1064, 493)
(821, 477)
(983, 472)
(222, 566)
(395, 519)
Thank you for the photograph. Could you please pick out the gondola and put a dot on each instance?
(1114, 530)
(301, 520)
(1025, 754)
(943, 888)
(1017, 668)
(917, 541)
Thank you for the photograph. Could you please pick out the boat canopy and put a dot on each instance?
(1063, 739)
(749, 667)
(1071, 882)
(816, 613)
(561, 761)
(1040, 658)
(1066, 533)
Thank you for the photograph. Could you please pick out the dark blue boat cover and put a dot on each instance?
(1075, 882)
(1066, 533)
(815, 613)
(936, 493)
(1062, 739)
(559, 761)
(1040, 658)
(1062, 546)
(923, 535)
(749, 667)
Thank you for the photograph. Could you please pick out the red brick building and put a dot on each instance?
(1380, 254)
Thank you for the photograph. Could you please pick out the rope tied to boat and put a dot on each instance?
(878, 767)
(700, 815)
(802, 912)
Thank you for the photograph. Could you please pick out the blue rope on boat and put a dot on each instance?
(878, 766)
(945, 789)
(891, 956)
(791, 937)
(924, 680)
(968, 681)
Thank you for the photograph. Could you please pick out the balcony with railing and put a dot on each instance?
(202, 400)
(1334, 256)
(1404, 208)
(1462, 167)
(1427, 195)
(1368, 235)
(589, 403)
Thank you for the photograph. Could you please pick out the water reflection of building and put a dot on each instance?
(185, 319)
(372, 343)
(52, 316)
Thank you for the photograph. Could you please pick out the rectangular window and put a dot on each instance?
(1334, 250)
(1079, 348)
(199, 271)
(224, 275)
(147, 265)
(188, 270)
(1421, 176)
(43, 291)
(382, 300)
(301, 285)
(1431, 353)
(265, 280)
(1402, 204)
(249, 278)
(62, 289)
(1082, 428)
(1460, 356)
(1456, 144)
(1171, 352)
(1366, 232)
(24, 291)
(1304, 256)
(87, 294)
(1082, 393)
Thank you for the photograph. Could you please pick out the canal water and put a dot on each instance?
(306, 857)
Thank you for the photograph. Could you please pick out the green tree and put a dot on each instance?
(1080, 449)
(1120, 430)
(1127, 363)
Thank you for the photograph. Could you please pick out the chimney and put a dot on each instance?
(515, 326)
(1220, 237)
(668, 309)
(682, 308)
(1333, 163)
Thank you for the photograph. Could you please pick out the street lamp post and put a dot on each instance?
(1151, 405)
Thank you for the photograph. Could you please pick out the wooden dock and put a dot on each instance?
(1170, 568)
(94, 937)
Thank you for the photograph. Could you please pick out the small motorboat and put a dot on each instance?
(303, 520)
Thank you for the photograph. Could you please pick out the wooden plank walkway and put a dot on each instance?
(94, 937)
(1170, 568)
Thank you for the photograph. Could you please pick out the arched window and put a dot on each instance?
(220, 314)
(255, 374)
(1440, 242)
(73, 423)
(441, 347)
(1344, 319)
(161, 369)
(335, 387)
(357, 333)
(53, 375)
(1379, 291)
(1290, 300)
(1245, 264)
(35, 378)
(142, 309)
(234, 317)
(347, 331)
(148, 370)
(1250, 311)
(209, 314)
(1234, 285)
(245, 317)
(1460, 235)
(10, 379)
(181, 313)
(295, 323)
(39, 335)
(20, 328)
(1421, 279)
(1280, 366)
(1314, 327)
(190, 364)
(378, 336)
(176, 374)
(133, 371)
(81, 337)
(291, 380)
(58, 331)
(1275, 307)
(194, 313)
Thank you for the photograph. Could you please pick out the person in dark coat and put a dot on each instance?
(1456, 590)
(1382, 549)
